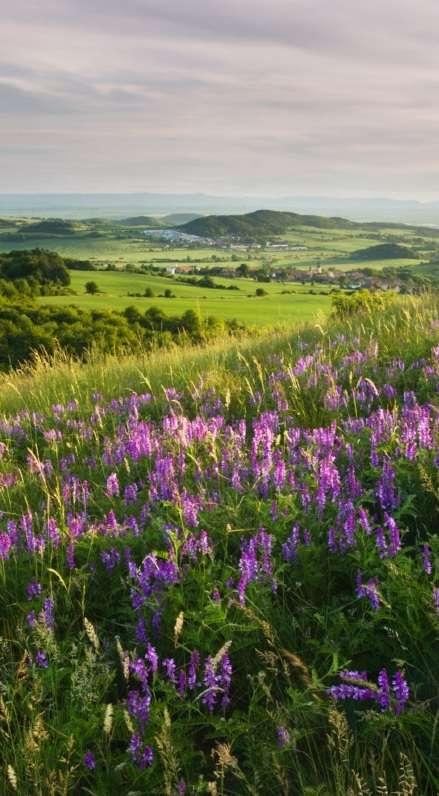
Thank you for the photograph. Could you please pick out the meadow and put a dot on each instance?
(220, 566)
(275, 307)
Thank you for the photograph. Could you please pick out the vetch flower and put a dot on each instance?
(368, 590)
(41, 659)
(89, 760)
(283, 737)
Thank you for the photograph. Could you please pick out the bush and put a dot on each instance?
(39, 264)
(361, 302)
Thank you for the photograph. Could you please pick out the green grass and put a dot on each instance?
(274, 308)
(287, 644)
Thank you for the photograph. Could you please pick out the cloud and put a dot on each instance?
(253, 96)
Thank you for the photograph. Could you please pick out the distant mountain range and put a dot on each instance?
(117, 205)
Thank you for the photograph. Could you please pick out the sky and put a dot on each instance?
(257, 97)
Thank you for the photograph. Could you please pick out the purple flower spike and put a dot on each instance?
(33, 589)
(113, 489)
(142, 755)
(370, 590)
(383, 696)
(426, 559)
(41, 659)
(283, 737)
(401, 691)
(89, 761)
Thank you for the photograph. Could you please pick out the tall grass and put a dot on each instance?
(242, 418)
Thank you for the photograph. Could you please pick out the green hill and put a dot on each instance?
(141, 221)
(52, 226)
(384, 251)
(259, 224)
(178, 219)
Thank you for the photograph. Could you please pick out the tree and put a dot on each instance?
(91, 288)
(261, 292)
(44, 266)
(243, 270)
(149, 293)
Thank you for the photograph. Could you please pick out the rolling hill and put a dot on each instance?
(141, 221)
(384, 251)
(261, 223)
(52, 226)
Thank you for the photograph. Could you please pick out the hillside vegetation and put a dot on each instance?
(259, 224)
(54, 226)
(141, 221)
(220, 566)
(384, 251)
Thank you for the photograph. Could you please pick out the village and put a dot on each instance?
(401, 279)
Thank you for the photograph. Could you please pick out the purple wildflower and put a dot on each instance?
(395, 538)
(368, 590)
(193, 669)
(224, 679)
(113, 488)
(211, 684)
(383, 695)
(31, 619)
(426, 559)
(170, 669)
(53, 532)
(70, 555)
(142, 755)
(110, 558)
(41, 659)
(130, 493)
(33, 589)
(255, 561)
(401, 691)
(5, 546)
(138, 705)
(46, 616)
(152, 658)
(283, 737)
(89, 760)
(289, 548)
(386, 491)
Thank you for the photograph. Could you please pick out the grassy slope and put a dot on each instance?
(286, 647)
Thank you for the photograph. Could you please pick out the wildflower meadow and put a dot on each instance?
(227, 582)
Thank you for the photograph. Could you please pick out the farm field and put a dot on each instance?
(219, 566)
(124, 248)
(274, 308)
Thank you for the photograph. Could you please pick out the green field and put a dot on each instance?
(243, 304)
(108, 244)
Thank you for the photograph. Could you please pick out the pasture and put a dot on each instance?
(274, 308)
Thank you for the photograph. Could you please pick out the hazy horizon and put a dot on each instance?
(256, 99)
(119, 205)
